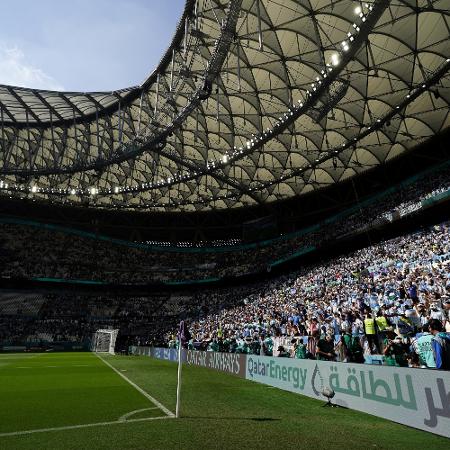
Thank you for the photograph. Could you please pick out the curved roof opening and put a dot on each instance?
(87, 47)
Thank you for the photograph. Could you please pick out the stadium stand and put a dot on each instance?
(35, 250)
(391, 289)
(387, 291)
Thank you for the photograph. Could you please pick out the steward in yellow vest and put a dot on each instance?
(381, 323)
(369, 325)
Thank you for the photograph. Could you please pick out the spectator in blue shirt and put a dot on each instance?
(440, 344)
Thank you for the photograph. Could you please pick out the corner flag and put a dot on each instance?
(183, 338)
(183, 334)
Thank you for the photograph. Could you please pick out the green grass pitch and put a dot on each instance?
(77, 401)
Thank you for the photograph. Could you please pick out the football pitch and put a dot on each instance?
(81, 401)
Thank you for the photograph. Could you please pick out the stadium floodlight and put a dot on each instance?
(104, 341)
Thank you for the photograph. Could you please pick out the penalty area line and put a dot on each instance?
(87, 425)
(144, 393)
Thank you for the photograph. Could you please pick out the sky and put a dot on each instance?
(84, 45)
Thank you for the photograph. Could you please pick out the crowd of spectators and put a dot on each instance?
(73, 318)
(41, 252)
(389, 301)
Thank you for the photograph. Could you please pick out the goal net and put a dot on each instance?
(104, 341)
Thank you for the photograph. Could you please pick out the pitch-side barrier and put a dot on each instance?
(419, 398)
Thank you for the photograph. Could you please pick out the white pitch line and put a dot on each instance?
(87, 425)
(145, 394)
(136, 411)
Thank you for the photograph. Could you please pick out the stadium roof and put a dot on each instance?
(254, 101)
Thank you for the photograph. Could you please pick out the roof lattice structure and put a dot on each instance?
(254, 101)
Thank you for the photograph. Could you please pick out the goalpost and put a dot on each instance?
(104, 341)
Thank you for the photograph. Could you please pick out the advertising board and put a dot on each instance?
(419, 398)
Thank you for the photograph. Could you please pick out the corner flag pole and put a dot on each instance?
(181, 340)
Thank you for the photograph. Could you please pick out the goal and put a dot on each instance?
(104, 341)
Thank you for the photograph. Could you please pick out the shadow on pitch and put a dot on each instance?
(253, 419)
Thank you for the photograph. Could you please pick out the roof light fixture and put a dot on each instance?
(335, 59)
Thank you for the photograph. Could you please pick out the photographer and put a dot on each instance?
(395, 350)
(325, 348)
